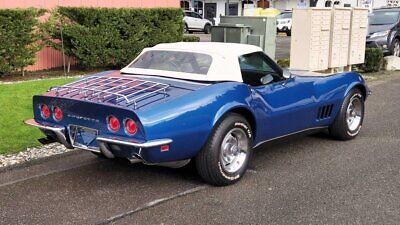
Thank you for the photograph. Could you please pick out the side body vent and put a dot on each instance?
(324, 112)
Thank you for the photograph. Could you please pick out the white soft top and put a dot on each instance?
(224, 66)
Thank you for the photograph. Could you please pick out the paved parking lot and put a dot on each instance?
(301, 180)
(282, 44)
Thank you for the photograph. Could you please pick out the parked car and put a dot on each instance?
(383, 30)
(284, 22)
(195, 22)
(210, 102)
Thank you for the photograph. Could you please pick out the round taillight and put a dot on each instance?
(57, 114)
(44, 111)
(130, 127)
(113, 123)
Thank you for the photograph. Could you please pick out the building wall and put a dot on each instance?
(48, 57)
(221, 6)
(48, 4)
(281, 5)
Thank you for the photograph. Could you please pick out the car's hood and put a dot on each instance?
(378, 28)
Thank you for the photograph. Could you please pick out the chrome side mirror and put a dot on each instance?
(287, 74)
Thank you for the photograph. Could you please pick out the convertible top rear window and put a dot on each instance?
(184, 62)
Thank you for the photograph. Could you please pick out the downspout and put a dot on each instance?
(227, 8)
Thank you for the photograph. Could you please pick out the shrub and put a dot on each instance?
(373, 60)
(19, 38)
(284, 63)
(113, 37)
(191, 38)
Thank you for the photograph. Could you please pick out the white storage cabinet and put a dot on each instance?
(358, 32)
(340, 35)
(310, 39)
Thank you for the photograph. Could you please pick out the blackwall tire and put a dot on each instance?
(225, 157)
(207, 29)
(349, 120)
(186, 29)
(396, 47)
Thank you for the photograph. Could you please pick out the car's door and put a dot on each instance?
(198, 20)
(282, 105)
(190, 20)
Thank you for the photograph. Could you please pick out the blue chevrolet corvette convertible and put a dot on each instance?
(210, 102)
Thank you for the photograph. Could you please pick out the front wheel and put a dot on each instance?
(289, 32)
(348, 122)
(225, 157)
(396, 47)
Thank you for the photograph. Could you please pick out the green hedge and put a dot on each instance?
(373, 60)
(113, 37)
(284, 62)
(19, 35)
(192, 38)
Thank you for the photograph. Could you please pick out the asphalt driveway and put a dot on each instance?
(300, 180)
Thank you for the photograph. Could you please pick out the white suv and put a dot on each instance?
(194, 22)
(284, 22)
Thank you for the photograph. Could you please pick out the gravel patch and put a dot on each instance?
(32, 153)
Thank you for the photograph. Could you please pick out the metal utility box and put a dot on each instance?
(230, 33)
(310, 39)
(262, 31)
(257, 40)
(358, 33)
(340, 35)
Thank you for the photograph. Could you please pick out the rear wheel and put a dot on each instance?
(207, 28)
(225, 157)
(186, 29)
(348, 122)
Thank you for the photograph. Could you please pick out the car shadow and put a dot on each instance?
(123, 169)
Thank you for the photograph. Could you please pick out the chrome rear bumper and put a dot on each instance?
(57, 130)
(102, 141)
(147, 144)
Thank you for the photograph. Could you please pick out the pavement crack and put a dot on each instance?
(152, 204)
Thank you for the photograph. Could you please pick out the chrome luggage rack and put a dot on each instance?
(111, 89)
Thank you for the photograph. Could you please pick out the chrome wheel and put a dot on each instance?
(396, 48)
(234, 150)
(354, 113)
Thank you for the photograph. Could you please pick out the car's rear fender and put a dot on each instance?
(190, 119)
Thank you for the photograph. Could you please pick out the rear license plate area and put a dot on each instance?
(83, 137)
